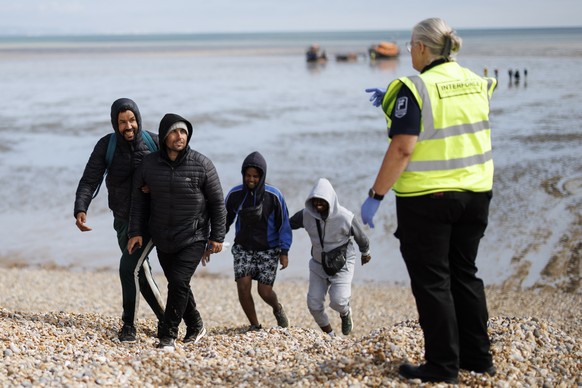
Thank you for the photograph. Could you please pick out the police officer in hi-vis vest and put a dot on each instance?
(439, 165)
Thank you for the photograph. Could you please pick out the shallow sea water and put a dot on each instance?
(308, 121)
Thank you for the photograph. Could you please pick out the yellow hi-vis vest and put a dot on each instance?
(453, 152)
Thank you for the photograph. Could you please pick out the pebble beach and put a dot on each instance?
(60, 299)
(58, 327)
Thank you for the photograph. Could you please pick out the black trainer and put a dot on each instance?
(490, 370)
(347, 323)
(255, 327)
(127, 334)
(167, 343)
(420, 372)
(194, 334)
(281, 317)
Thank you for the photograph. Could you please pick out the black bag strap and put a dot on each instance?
(319, 233)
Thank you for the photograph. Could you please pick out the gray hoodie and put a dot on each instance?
(337, 228)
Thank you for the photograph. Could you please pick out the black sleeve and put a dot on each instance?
(215, 202)
(296, 220)
(139, 209)
(405, 115)
(230, 213)
(92, 176)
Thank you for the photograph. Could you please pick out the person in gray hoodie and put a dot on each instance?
(330, 226)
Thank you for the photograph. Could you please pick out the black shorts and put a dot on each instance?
(260, 265)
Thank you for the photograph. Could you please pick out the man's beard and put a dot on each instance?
(132, 131)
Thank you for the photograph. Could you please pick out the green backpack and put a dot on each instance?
(111, 151)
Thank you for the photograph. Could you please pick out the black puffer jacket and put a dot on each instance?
(128, 155)
(185, 203)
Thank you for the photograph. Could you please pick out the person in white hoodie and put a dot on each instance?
(330, 226)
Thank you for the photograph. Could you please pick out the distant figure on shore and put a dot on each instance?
(485, 71)
(262, 239)
(119, 154)
(510, 73)
(516, 76)
(443, 190)
(496, 71)
(330, 227)
(524, 73)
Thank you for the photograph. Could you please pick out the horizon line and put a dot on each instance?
(118, 34)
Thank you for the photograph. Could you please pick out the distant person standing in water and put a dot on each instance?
(439, 164)
(130, 144)
(516, 76)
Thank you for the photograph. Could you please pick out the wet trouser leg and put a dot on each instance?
(179, 267)
(439, 238)
(339, 287)
(136, 277)
(318, 287)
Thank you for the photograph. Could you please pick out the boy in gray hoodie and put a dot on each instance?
(330, 226)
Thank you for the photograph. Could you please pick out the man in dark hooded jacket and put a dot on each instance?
(185, 215)
(263, 237)
(130, 148)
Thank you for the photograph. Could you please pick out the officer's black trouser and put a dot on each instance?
(179, 267)
(136, 277)
(439, 237)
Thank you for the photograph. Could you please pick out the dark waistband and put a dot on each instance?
(457, 194)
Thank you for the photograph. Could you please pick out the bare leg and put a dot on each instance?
(245, 298)
(266, 292)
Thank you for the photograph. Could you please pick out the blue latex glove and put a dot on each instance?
(377, 96)
(369, 209)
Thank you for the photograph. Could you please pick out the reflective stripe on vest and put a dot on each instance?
(453, 151)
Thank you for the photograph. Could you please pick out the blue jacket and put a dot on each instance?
(262, 218)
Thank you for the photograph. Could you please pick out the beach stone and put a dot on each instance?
(533, 343)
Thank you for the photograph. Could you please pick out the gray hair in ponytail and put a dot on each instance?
(440, 39)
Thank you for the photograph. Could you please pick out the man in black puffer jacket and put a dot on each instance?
(185, 215)
(130, 148)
